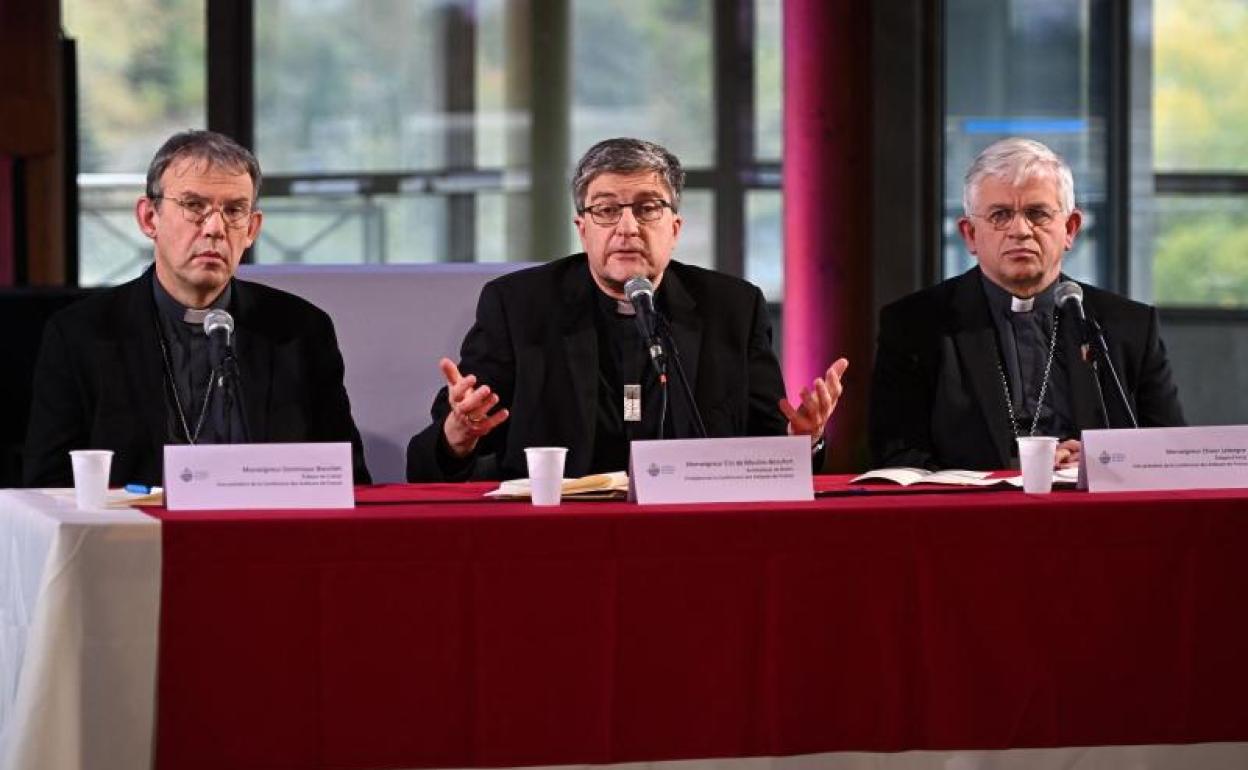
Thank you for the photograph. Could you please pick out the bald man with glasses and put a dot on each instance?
(967, 366)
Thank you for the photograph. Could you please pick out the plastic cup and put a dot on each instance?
(91, 467)
(1036, 455)
(545, 473)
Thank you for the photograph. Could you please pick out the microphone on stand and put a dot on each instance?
(219, 328)
(1094, 346)
(657, 336)
(640, 293)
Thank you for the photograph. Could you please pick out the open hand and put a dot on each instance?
(818, 401)
(470, 417)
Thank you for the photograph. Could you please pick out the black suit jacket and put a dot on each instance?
(534, 342)
(937, 400)
(100, 383)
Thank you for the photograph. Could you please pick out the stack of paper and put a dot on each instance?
(599, 486)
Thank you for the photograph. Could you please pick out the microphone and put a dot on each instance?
(640, 293)
(1069, 291)
(219, 328)
(1094, 338)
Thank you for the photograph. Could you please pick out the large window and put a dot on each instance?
(1034, 68)
(1200, 145)
(439, 130)
(140, 78)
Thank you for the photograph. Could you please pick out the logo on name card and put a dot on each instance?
(1106, 458)
(187, 475)
(654, 470)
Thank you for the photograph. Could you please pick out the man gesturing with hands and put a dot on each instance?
(554, 357)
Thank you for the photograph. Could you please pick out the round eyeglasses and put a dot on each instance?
(648, 210)
(196, 210)
(1001, 219)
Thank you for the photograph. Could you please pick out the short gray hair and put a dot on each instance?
(1016, 160)
(627, 156)
(217, 150)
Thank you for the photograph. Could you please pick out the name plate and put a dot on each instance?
(234, 476)
(721, 470)
(1206, 457)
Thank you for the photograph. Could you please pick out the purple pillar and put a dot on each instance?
(827, 211)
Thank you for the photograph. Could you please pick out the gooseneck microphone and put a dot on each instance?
(1069, 291)
(1093, 337)
(219, 328)
(640, 293)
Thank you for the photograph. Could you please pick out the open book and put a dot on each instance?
(599, 486)
(953, 477)
(907, 476)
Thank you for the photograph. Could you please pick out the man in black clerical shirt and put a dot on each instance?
(130, 369)
(555, 356)
(965, 367)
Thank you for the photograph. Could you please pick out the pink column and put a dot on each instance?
(827, 211)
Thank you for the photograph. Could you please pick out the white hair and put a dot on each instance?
(1017, 160)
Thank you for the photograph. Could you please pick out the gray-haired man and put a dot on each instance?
(964, 367)
(554, 357)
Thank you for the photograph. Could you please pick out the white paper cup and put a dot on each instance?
(545, 473)
(1036, 455)
(91, 467)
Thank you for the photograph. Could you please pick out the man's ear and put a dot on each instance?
(967, 230)
(1074, 221)
(145, 215)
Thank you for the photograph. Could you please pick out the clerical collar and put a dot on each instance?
(612, 306)
(176, 311)
(1003, 303)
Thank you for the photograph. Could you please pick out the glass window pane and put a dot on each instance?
(1023, 68)
(643, 68)
(495, 125)
(112, 249)
(768, 80)
(764, 249)
(346, 229)
(351, 85)
(1201, 244)
(696, 245)
(1200, 94)
(492, 228)
(141, 75)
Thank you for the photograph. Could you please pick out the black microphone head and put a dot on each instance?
(218, 320)
(1066, 291)
(638, 284)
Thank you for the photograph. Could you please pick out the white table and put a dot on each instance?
(79, 615)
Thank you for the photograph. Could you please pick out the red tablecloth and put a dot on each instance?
(431, 628)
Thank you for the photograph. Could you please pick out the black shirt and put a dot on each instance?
(185, 357)
(1024, 340)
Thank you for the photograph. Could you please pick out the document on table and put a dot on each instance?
(598, 486)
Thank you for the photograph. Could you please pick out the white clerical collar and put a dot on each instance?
(1022, 305)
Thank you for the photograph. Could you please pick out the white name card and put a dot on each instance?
(721, 470)
(1206, 457)
(234, 476)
